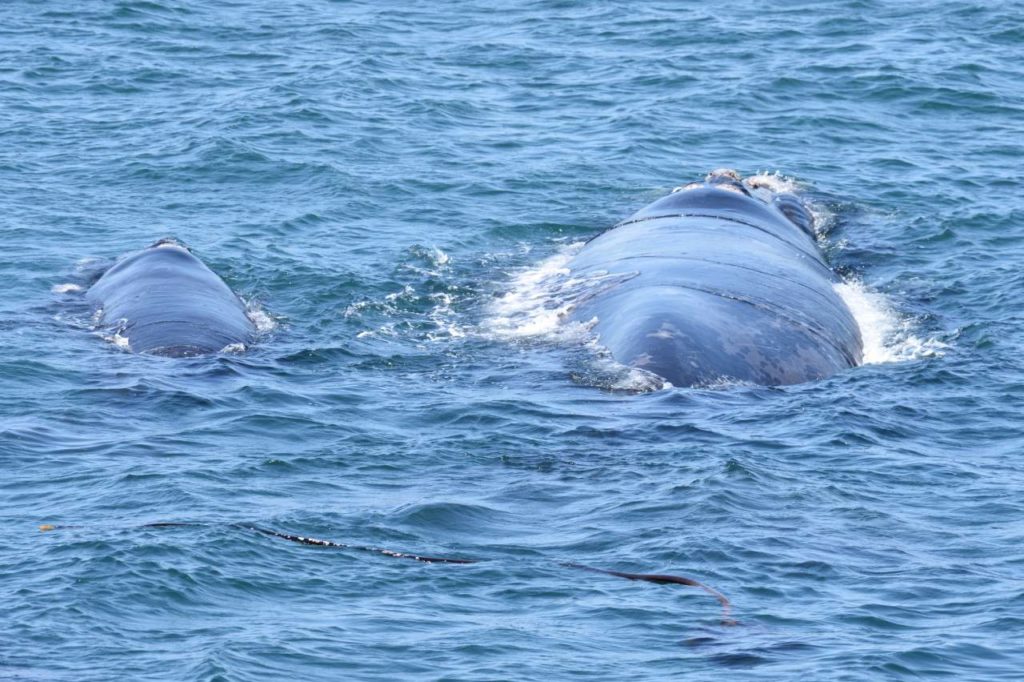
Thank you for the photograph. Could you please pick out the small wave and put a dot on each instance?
(118, 341)
(442, 315)
(87, 263)
(391, 306)
(383, 331)
(427, 260)
(888, 336)
(425, 304)
(724, 384)
(407, 293)
(66, 288)
(439, 257)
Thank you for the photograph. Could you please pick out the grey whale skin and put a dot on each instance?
(165, 301)
(720, 281)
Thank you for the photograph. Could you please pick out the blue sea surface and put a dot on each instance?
(394, 189)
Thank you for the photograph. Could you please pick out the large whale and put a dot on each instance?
(720, 281)
(165, 301)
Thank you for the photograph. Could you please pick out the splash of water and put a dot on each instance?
(888, 335)
(259, 317)
(66, 288)
(535, 304)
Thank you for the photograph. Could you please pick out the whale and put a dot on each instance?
(720, 282)
(164, 301)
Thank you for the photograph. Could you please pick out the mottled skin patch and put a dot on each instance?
(719, 281)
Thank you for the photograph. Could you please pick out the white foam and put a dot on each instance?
(383, 331)
(86, 263)
(260, 319)
(535, 304)
(435, 260)
(608, 373)
(233, 348)
(536, 307)
(118, 340)
(407, 293)
(441, 315)
(355, 308)
(888, 336)
(397, 304)
(774, 182)
(65, 288)
(439, 257)
(390, 305)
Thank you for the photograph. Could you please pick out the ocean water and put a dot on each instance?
(394, 189)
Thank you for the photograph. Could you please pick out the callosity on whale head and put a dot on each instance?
(720, 281)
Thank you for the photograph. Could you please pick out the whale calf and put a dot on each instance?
(720, 281)
(165, 301)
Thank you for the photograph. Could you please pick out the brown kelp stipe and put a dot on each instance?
(341, 545)
(663, 579)
(657, 578)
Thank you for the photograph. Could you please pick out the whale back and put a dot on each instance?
(165, 301)
(710, 285)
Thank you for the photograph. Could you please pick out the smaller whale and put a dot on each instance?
(165, 301)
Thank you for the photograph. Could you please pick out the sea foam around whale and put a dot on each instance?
(540, 297)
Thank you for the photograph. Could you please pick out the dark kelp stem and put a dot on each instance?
(663, 579)
(657, 578)
(341, 545)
